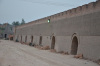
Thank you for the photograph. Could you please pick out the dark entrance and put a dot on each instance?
(5, 35)
(53, 43)
(26, 39)
(40, 42)
(31, 39)
(74, 46)
(21, 38)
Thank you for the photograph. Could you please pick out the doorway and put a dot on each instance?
(53, 43)
(26, 39)
(31, 39)
(21, 38)
(74, 46)
(5, 35)
(40, 41)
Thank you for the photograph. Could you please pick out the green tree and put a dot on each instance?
(15, 23)
(22, 22)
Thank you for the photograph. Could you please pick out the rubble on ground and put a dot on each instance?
(79, 56)
(46, 48)
(52, 50)
(98, 61)
(22, 42)
(64, 53)
(42, 47)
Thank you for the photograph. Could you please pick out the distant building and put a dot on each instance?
(6, 30)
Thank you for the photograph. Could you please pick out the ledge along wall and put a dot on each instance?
(76, 31)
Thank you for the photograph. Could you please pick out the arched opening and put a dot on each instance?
(21, 38)
(26, 39)
(74, 46)
(31, 39)
(5, 35)
(53, 43)
(40, 41)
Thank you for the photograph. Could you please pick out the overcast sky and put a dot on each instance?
(29, 10)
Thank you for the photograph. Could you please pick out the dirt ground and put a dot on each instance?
(16, 54)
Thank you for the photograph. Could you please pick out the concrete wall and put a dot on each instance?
(82, 22)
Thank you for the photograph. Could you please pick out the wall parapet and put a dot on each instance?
(81, 10)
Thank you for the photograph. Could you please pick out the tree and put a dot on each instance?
(15, 23)
(23, 22)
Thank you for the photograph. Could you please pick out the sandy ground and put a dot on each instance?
(16, 54)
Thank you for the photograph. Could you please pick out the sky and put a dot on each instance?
(30, 10)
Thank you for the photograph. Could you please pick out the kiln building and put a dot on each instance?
(75, 31)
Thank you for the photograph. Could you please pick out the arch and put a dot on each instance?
(26, 39)
(53, 43)
(74, 46)
(21, 38)
(40, 41)
(31, 39)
